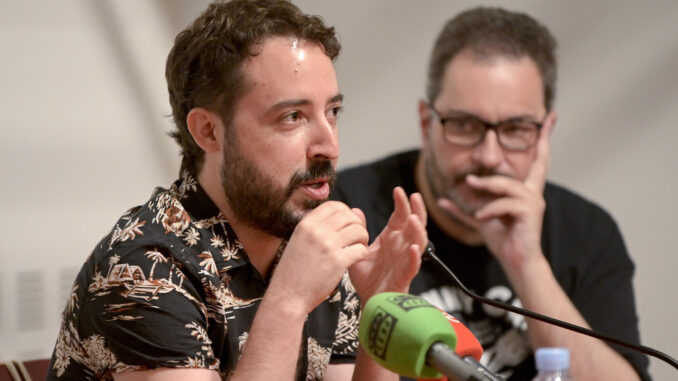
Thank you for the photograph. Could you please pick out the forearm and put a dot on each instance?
(590, 358)
(272, 348)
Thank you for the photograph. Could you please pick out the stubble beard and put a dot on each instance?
(452, 187)
(256, 201)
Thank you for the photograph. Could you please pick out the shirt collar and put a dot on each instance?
(204, 212)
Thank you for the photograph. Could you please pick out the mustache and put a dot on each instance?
(316, 169)
(478, 171)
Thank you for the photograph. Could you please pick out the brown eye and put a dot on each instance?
(293, 116)
(334, 112)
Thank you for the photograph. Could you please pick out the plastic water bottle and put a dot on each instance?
(553, 364)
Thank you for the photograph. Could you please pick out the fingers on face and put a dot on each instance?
(348, 225)
(537, 175)
(454, 210)
(334, 215)
(506, 207)
(336, 222)
(324, 210)
(497, 185)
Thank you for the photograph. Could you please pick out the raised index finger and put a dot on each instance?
(401, 207)
(418, 207)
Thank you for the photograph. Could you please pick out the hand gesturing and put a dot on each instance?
(394, 257)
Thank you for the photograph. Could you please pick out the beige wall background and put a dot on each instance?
(83, 104)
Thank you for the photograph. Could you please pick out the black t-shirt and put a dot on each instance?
(580, 240)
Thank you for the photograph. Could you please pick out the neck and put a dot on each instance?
(450, 225)
(260, 247)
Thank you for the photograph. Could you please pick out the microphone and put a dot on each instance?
(467, 344)
(409, 336)
(468, 348)
(429, 254)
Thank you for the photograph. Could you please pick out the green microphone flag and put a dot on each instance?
(397, 330)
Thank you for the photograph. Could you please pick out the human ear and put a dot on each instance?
(550, 122)
(424, 121)
(204, 128)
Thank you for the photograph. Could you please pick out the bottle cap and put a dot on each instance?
(552, 359)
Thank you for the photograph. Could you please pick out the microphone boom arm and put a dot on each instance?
(429, 253)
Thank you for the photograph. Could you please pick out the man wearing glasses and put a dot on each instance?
(507, 233)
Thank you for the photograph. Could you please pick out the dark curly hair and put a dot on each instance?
(204, 68)
(494, 31)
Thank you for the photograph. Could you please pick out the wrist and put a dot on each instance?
(365, 295)
(529, 271)
(288, 306)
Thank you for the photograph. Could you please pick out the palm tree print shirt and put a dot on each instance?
(170, 286)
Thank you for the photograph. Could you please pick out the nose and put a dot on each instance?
(489, 152)
(324, 140)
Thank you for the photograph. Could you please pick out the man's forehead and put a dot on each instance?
(495, 85)
(289, 69)
(277, 50)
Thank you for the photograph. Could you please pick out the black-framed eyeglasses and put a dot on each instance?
(467, 130)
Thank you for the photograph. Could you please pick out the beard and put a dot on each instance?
(455, 188)
(258, 202)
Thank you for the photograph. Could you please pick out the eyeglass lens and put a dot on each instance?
(514, 135)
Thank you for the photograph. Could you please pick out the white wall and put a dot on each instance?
(83, 104)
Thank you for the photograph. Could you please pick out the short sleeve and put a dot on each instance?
(137, 311)
(605, 294)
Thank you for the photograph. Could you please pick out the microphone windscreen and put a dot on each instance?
(397, 330)
(467, 343)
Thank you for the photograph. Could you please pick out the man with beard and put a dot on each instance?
(494, 220)
(241, 269)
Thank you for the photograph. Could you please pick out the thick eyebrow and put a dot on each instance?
(302, 102)
(289, 103)
(337, 98)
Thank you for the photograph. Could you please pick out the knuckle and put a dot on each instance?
(336, 205)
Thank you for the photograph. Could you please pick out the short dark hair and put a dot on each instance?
(204, 68)
(494, 31)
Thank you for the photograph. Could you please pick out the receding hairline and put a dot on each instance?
(247, 83)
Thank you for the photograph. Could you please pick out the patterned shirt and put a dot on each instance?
(171, 286)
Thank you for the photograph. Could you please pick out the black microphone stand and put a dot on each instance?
(429, 254)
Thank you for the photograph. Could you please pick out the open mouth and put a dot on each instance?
(315, 185)
(318, 189)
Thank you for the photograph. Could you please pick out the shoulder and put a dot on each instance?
(577, 230)
(160, 238)
(566, 206)
(142, 226)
